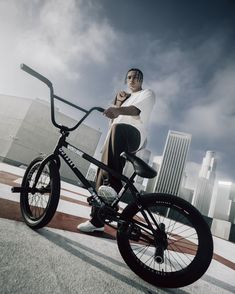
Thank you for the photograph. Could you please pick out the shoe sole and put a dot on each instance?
(91, 231)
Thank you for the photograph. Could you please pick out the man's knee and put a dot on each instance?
(118, 130)
(117, 127)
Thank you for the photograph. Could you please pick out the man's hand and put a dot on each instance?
(112, 112)
(121, 96)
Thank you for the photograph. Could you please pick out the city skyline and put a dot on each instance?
(176, 145)
(185, 49)
(205, 196)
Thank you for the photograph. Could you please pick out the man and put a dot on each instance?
(129, 118)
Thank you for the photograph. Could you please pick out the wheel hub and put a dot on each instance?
(160, 243)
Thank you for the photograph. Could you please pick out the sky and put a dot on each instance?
(85, 47)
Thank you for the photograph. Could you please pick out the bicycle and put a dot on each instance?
(161, 237)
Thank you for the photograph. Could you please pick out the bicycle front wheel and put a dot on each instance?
(38, 207)
(174, 257)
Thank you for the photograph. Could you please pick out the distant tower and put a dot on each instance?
(173, 162)
(144, 154)
(205, 183)
(184, 192)
(91, 174)
(232, 205)
(225, 195)
(151, 183)
(128, 170)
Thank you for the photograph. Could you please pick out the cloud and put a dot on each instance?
(166, 90)
(54, 37)
(63, 37)
(195, 93)
(215, 118)
(194, 87)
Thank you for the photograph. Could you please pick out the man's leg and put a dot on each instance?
(122, 138)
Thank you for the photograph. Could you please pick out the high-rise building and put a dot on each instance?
(223, 202)
(173, 163)
(151, 183)
(232, 213)
(205, 184)
(26, 132)
(128, 170)
(232, 204)
(91, 173)
(184, 192)
(144, 154)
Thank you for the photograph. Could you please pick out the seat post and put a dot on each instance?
(125, 187)
(132, 177)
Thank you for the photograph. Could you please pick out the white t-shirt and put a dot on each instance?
(144, 100)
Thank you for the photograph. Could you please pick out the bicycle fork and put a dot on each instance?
(160, 237)
(34, 189)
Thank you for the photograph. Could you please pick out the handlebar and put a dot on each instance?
(37, 75)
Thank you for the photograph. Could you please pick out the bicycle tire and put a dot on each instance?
(39, 208)
(189, 241)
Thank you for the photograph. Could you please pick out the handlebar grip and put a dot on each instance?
(37, 75)
(100, 109)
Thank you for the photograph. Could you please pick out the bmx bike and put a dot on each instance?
(161, 237)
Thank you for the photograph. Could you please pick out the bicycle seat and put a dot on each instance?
(141, 168)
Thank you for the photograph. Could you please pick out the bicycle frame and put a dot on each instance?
(62, 143)
(64, 130)
(169, 248)
(60, 151)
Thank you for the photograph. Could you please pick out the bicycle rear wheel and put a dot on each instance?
(39, 207)
(187, 244)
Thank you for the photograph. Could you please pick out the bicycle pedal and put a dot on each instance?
(93, 202)
(89, 200)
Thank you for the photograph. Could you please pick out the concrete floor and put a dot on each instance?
(59, 259)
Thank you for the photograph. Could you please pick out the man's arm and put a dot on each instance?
(114, 112)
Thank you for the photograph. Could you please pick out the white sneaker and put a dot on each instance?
(107, 193)
(88, 227)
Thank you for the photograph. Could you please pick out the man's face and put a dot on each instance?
(133, 81)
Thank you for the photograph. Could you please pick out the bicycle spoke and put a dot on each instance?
(182, 238)
(38, 202)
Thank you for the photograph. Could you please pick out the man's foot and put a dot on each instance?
(88, 227)
(107, 193)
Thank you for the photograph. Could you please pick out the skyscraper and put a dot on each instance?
(232, 204)
(232, 213)
(184, 192)
(173, 162)
(26, 132)
(143, 154)
(205, 183)
(151, 183)
(223, 201)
